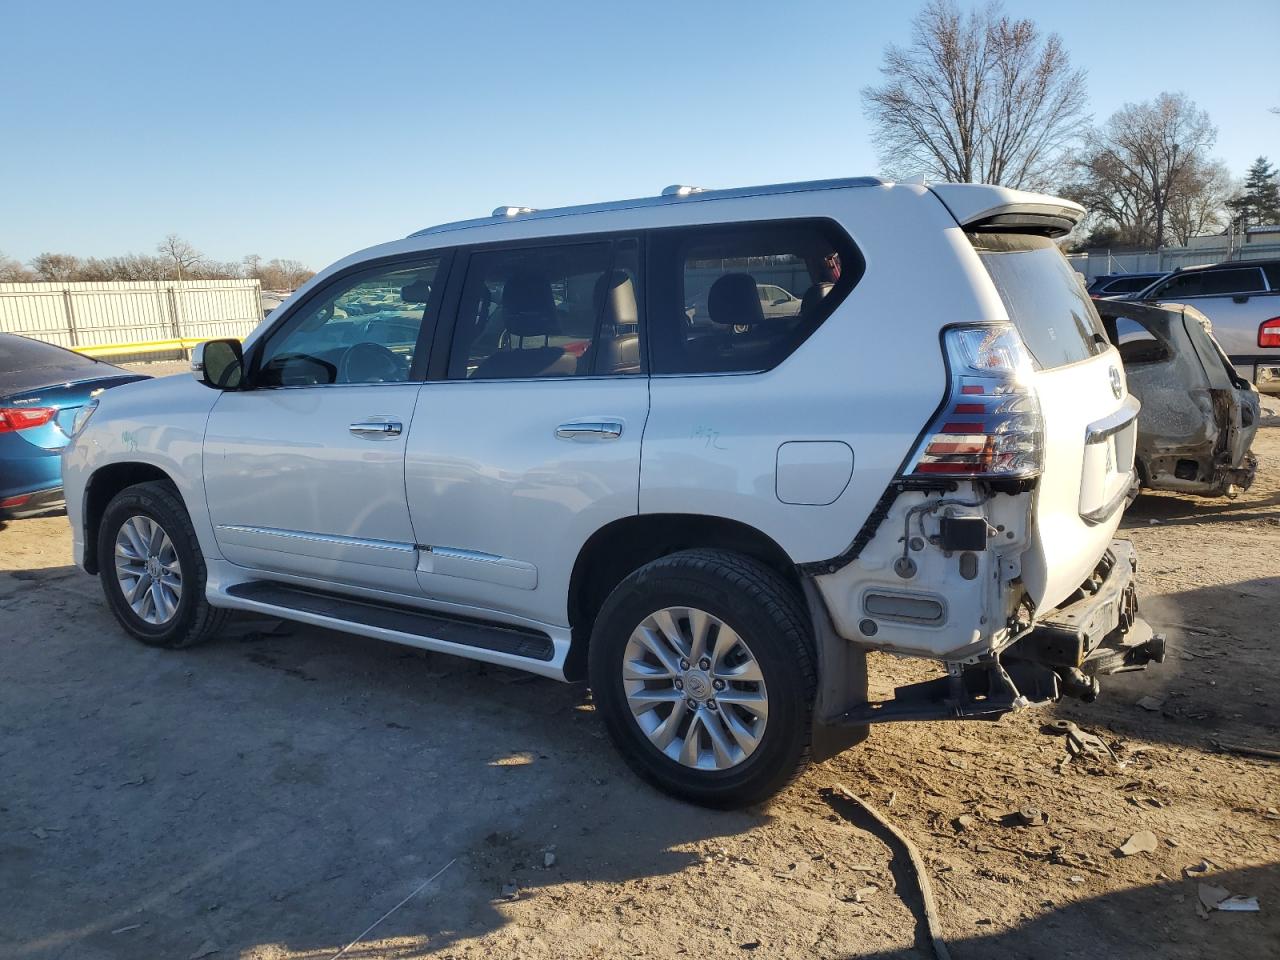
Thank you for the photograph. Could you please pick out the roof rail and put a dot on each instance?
(512, 211)
(677, 193)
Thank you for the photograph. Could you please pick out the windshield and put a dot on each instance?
(1044, 297)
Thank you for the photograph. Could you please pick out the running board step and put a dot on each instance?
(499, 638)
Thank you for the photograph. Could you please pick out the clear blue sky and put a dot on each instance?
(308, 130)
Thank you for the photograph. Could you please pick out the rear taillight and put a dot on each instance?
(989, 425)
(24, 418)
(1269, 333)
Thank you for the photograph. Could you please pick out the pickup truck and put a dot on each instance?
(1242, 300)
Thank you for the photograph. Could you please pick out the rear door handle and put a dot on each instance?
(376, 429)
(590, 430)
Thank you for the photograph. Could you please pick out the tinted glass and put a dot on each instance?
(1136, 343)
(23, 353)
(1272, 270)
(1210, 283)
(364, 330)
(742, 298)
(545, 311)
(1043, 296)
(1129, 284)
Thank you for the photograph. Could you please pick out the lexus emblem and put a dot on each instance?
(1116, 386)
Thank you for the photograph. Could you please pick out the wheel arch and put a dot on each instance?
(103, 484)
(625, 545)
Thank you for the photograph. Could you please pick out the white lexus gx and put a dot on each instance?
(702, 450)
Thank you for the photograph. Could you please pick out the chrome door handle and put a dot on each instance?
(376, 429)
(590, 430)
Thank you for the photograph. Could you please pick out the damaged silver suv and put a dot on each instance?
(514, 439)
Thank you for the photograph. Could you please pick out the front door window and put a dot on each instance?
(365, 330)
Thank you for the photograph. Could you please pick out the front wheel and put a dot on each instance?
(702, 667)
(152, 570)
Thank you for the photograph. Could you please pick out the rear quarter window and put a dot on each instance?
(741, 298)
(1044, 297)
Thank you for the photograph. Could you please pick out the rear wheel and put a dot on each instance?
(152, 570)
(701, 666)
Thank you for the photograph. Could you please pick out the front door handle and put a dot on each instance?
(376, 429)
(590, 430)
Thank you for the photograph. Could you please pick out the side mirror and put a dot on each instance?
(219, 364)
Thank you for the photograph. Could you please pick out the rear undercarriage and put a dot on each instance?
(1095, 633)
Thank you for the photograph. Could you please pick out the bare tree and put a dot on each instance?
(178, 252)
(976, 98)
(1147, 166)
(1198, 201)
(11, 271)
(177, 258)
(56, 267)
(284, 275)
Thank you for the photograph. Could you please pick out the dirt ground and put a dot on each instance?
(274, 794)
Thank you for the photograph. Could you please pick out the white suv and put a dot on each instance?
(506, 439)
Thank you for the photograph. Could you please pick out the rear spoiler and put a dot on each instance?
(979, 207)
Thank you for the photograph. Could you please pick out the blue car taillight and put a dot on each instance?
(989, 426)
(14, 419)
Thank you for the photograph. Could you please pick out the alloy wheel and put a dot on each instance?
(695, 689)
(148, 570)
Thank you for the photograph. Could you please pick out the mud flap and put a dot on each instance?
(842, 683)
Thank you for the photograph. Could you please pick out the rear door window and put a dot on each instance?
(741, 298)
(1043, 296)
(557, 310)
(1211, 283)
(1129, 284)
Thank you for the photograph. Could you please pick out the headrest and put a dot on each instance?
(734, 298)
(813, 297)
(417, 292)
(528, 305)
(615, 294)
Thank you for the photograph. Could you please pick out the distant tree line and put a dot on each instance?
(174, 259)
(979, 96)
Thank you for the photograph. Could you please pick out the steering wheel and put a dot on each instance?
(371, 363)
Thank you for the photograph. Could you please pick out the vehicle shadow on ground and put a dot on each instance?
(287, 786)
(1159, 920)
(1175, 510)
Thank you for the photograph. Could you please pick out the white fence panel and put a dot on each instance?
(126, 312)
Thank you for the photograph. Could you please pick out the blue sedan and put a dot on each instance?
(42, 388)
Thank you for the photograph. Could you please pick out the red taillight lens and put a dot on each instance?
(24, 418)
(1269, 333)
(990, 424)
(10, 502)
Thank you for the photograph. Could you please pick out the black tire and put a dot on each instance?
(193, 620)
(769, 615)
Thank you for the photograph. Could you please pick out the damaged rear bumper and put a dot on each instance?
(1096, 632)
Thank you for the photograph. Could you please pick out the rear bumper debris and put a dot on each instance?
(1096, 632)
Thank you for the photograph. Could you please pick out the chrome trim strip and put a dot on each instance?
(476, 565)
(460, 554)
(320, 538)
(1113, 423)
(1105, 512)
